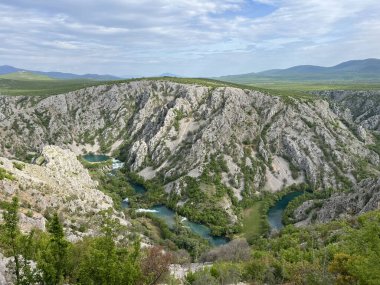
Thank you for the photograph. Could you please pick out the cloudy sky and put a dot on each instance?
(185, 37)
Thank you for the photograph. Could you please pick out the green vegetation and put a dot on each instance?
(94, 260)
(95, 165)
(53, 87)
(376, 146)
(207, 193)
(42, 87)
(19, 165)
(179, 116)
(314, 86)
(22, 75)
(316, 196)
(252, 220)
(178, 237)
(255, 220)
(5, 174)
(341, 252)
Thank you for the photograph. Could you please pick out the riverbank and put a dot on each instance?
(252, 221)
(266, 214)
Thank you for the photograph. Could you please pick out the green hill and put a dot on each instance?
(354, 71)
(25, 75)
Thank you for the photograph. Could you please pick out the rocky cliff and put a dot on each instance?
(170, 130)
(359, 107)
(60, 184)
(362, 198)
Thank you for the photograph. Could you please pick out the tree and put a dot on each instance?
(12, 234)
(105, 263)
(155, 264)
(340, 268)
(20, 247)
(53, 259)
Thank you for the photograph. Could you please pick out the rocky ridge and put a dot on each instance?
(364, 197)
(169, 130)
(60, 185)
(358, 107)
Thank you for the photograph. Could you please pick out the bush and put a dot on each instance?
(236, 251)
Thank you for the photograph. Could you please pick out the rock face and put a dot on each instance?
(60, 185)
(5, 274)
(363, 198)
(359, 107)
(170, 130)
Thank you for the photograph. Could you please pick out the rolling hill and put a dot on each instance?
(25, 75)
(367, 70)
(7, 69)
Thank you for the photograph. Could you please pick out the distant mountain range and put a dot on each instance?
(18, 72)
(360, 70)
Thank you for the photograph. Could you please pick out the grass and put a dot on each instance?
(213, 83)
(252, 225)
(314, 86)
(284, 89)
(14, 87)
(22, 75)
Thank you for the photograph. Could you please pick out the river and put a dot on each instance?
(276, 212)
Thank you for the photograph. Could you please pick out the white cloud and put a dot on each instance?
(203, 36)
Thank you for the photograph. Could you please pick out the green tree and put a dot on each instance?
(53, 258)
(12, 235)
(19, 247)
(107, 264)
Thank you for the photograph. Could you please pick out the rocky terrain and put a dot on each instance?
(358, 107)
(364, 197)
(168, 131)
(60, 184)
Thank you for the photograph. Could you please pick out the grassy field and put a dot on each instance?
(22, 75)
(313, 86)
(52, 87)
(22, 84)
(252, 225)
(42, 87)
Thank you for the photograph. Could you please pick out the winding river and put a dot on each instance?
(276, 212)
(168, 216)
(162, 211)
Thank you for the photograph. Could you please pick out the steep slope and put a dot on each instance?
(358, 107)
(60, 184)
(232, 142)
(363, 198)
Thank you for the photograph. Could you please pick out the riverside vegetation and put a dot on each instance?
(216, 153)
(342, 252)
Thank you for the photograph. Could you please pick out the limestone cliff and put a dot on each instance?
(362, 198)
(359, 107)
(60, 185)
(170, 130)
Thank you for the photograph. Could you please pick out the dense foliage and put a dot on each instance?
(48, 258)
(341, 252)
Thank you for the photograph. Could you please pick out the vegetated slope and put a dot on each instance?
(218, 143)
(355, 70)
(364, 197)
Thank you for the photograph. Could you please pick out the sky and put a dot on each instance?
(185, 37)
